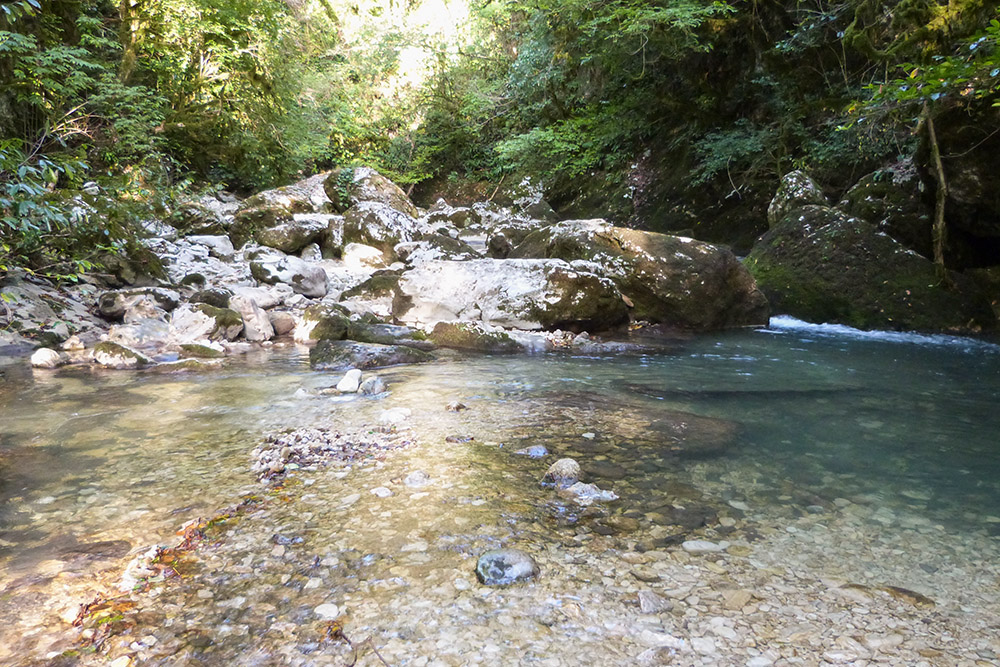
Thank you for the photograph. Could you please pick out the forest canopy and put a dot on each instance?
(711, 101)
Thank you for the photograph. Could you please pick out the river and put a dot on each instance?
(851, 481)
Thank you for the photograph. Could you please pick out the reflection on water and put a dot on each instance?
(782, 425)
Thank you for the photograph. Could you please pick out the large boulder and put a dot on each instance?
(249, 221)
(795, 190)
(891, 199)
(348, 187)
(305, 196)
(304, 278)
(381, 226)
(516, 293)
(292, 237)
(337, 355)
(822, 265)
(668, 279)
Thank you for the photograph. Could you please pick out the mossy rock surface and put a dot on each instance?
(213, 296)
(388, 334)
(249, 221)
(195, 351)
(332, 322)
(341, 355)
(380, 284)
(474, 336)
(821, 265)
(228, 322)
(193, 219)
(113, 355)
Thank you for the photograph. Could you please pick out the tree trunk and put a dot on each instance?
(940, 231)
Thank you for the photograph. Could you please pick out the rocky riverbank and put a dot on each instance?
(346, 256)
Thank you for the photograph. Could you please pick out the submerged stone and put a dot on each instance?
(342, 355)
(563, 473)
(502, 567)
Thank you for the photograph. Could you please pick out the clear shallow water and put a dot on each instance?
(786, 431)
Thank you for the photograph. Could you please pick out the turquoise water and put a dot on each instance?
(783, 422)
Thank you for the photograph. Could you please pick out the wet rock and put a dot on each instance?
(535, 451)
(795, 191)
(304, 278)
(341, 355)
(394, 416)
(196, 351)
(651, 603)
(327, 612)
(502, 567)
(382, 492)
(256, 324)
(736, 599)
(562, 474)
(704, 547)
(47, 358)
(455, 406)
(417, 479)
(373, 386)
(118, 357)
(665, 279)
(388, 334)
(604, 470)
(351, 382)
(522, 294)
(474, 336)
(587, 494)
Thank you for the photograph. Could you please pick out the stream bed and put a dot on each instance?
(848, 485)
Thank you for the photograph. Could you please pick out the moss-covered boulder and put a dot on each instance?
(388, 334)
(795, 190)
(322, 322)
(249, 221)
(348, 187)
(891, 199)
(474, 336)
(515, 293)
(196, 351)
(381, 284)
(192, 218)
(118, 357)
(668, 279)
(340, 355)
(822, 265)
(213, 296)
(457, 216)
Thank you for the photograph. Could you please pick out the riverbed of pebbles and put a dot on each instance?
(385, 551)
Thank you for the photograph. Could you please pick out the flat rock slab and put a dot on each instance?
(331, 355)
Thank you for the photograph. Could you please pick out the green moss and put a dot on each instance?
(224, 317)
(473, 336)
(332, 322)
(380, 284)
(194, 351)
(193, 280)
